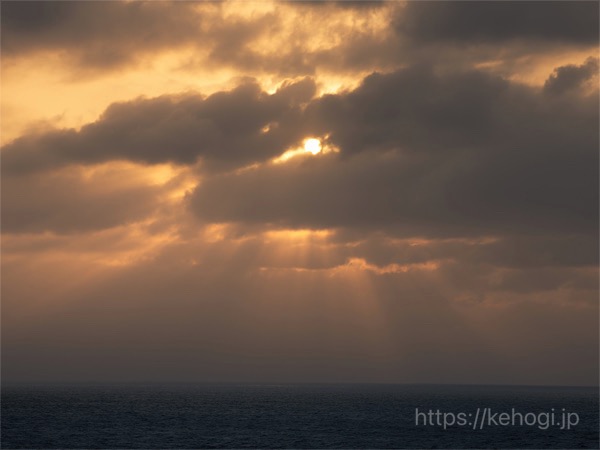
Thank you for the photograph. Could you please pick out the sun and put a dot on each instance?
(312, 145)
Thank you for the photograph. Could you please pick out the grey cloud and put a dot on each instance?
(93, 37)
(430, 154)
(422, 152)
(536, 280)
(224, 129)
(401, 198)
(512, 252)
(67, 202)
(537, 251)
(419, 108)
(100, 34)
(568, 78)
(344, 4)
(488, 22)
(400, 110)
(108, 35)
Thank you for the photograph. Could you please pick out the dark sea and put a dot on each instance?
(296, 416)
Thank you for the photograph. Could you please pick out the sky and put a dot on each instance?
(377, 192)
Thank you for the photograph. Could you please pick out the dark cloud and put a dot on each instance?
(406, 198)
(566, 78)
(421, 152)
(68, 201)
(419, 109)
(425, 153)
(341, 4)
(499, 21)
(95, 37)
(34, 15)
(540, 280)
(98, 34)
(224, 129)
(531, 251)
(400, 109)
(512, 252)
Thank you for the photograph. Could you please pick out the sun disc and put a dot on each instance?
(312, 145)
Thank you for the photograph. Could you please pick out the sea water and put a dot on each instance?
(294, 416)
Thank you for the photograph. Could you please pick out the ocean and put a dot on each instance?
(153, 416)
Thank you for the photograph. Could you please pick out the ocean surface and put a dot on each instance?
(292, 416)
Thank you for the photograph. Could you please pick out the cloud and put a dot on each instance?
(420, 152)
(70, 201)
(452, 204)
(224, 129)
(498, 22)
(510, 252)
(570, 77)
(227, 320)
(93, 38)
(96, 34)
(429, 154)
(352, 4)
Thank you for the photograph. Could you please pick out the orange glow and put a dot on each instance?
(298, 235)
(81, 93)
(311, 147)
